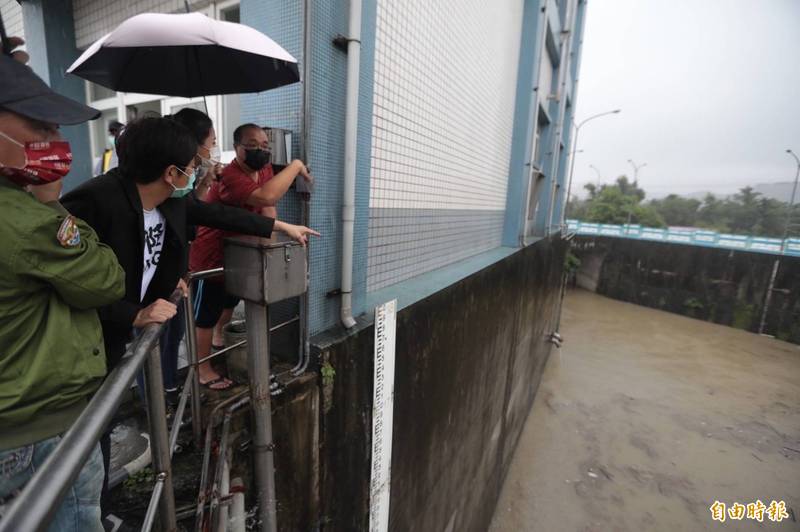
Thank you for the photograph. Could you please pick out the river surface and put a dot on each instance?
(644, 419)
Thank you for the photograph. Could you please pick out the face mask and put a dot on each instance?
(45, 162)
(211, 161)
(181, 192)
(256, 158)
(110, 141)
(215, 154)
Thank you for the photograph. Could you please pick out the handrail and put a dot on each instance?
(150, 515)
(696, 237)
(35, 506)
(191, 349)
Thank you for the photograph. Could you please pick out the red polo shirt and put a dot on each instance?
(233, 188)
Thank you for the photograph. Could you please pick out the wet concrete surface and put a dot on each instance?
(644, 419)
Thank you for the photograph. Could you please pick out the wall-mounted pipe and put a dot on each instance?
(224, 492)
(218, 492)
(350, 149)
(203, 493)
(238, 518)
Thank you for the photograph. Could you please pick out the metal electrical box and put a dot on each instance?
(264, 270)
(280, 144)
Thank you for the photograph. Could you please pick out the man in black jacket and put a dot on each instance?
(141, 211)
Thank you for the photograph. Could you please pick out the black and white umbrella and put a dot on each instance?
(186, 55)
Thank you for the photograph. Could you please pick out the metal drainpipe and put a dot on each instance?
(350, 145)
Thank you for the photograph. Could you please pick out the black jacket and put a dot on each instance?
(111, 205)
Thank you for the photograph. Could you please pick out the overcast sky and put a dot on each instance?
(709, 92)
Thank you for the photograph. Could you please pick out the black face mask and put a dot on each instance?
(256, 158)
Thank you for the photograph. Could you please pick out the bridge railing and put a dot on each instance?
(755, 244)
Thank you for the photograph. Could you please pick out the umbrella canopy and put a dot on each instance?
(186, 55)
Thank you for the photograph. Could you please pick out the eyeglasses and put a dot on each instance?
(255, 146)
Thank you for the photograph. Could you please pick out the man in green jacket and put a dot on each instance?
(54, 273)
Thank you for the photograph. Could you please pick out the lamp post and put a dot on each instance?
(575, 146)
(776, 264)
(636, 171)
(599, 177)
(635, 185)
(791, 202)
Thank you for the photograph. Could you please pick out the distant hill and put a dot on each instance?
(778, 191)
(702, 195)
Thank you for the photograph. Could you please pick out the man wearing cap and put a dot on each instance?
(54, 274)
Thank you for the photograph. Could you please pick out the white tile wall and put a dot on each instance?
(445, 81)
(12, 17)
(95, 18)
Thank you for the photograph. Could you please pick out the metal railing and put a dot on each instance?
(695, 237)
(193, 379)
(35, 506)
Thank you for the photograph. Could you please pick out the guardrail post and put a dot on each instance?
(257, 316)
(191, 354)
(159, 439)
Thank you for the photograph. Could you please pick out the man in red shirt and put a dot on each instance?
(248, 182)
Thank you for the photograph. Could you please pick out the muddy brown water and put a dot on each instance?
(644, 419)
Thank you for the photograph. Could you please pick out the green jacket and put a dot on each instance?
(52, 278)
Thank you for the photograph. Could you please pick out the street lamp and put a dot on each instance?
(635, 185)
(575, 146)
(777, 262)
(791, 202)
(599, 177)
(636, 171)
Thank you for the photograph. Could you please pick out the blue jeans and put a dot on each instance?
(80, 508)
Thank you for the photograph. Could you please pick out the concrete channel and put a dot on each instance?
(644, 419)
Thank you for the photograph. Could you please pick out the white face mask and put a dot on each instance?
(215, 154)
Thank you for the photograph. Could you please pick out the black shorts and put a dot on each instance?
(210, 299)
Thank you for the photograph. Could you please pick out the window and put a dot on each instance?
(99, 131)
(229, 14)
(540, 138)
(546, 76)
(537, 176)
(98, 92)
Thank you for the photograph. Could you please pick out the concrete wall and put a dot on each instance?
(468, 363)
(723, 286)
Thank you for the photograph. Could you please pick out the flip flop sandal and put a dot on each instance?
(219, 380)
(215, 348)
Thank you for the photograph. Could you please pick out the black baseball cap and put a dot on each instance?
(24, 93)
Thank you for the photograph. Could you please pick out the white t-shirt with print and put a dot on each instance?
(154, 229)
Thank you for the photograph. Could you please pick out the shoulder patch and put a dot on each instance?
(68, 234)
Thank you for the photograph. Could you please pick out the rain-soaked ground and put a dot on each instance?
(644, 419)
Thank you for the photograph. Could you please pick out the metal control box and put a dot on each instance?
(264, 270)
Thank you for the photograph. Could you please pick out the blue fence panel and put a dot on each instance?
(705, 238)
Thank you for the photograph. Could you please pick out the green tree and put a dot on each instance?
(746, 212)
(617, 203)
(676, 210)
(713, 215)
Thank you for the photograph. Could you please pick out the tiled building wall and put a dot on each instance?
(282, 20)
(444, 92)
(95, 18)
(11, 11)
